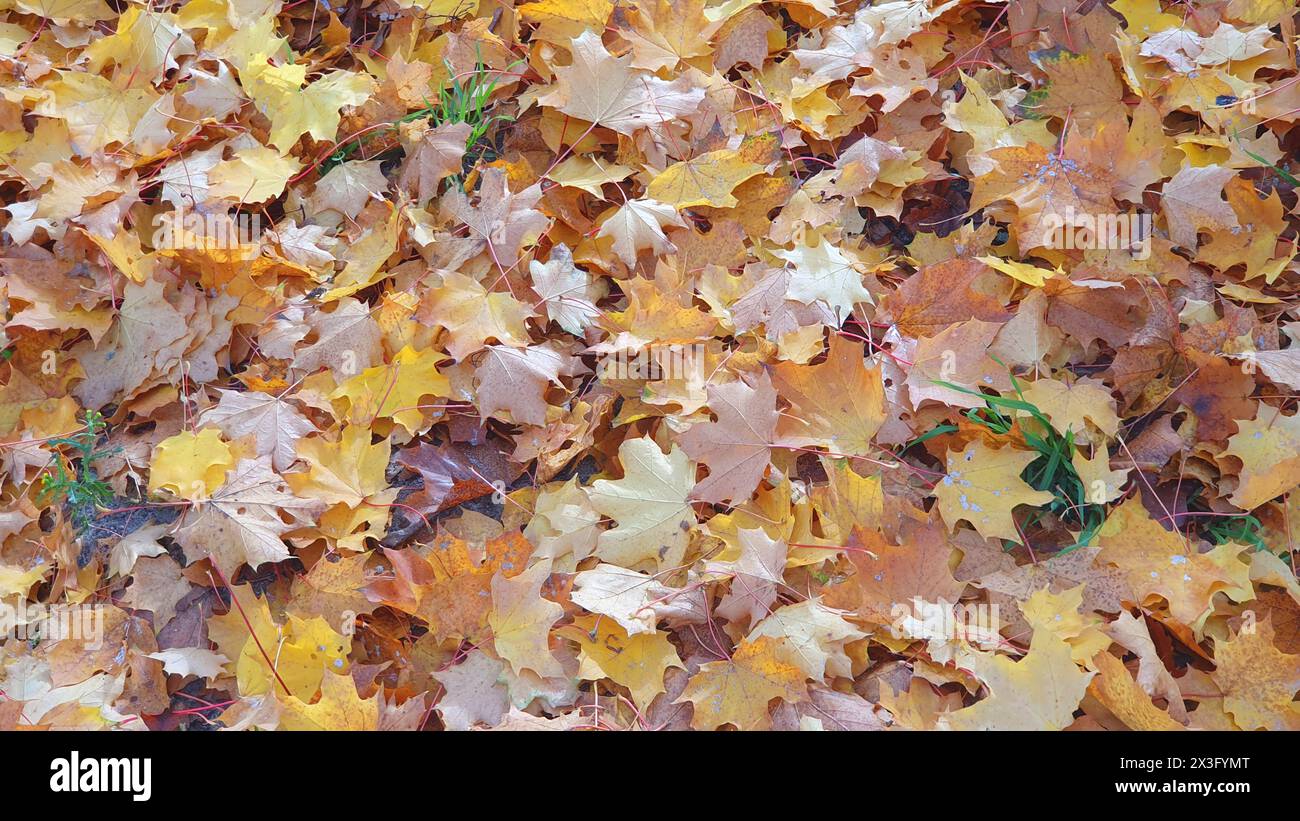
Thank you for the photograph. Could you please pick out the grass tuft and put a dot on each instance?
(1053, 470)
(81, 490)
(462, 100)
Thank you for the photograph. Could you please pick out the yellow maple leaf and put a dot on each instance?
(666, 31)
(303, 651)
(245, 518)
(812, 637)
(824, 272)
(707, 179)
(839, 404)
(1100, 483)
(1145, 16)
(190, 465)
(982, 485)
(977, 115)
(1269, 449)
(472, 315)
(637, 662)
(588, 174)
(1020, 271)
(650, 504)
(1039, 692)
(279, 94)
(347, 470)
(365, 258)
(253, 175)
(98, 112)
(1068, 406)
(737, 690)
(560, 20)
(1159, 562)
(393, 391)
(1117, 690)
(81, 11)
(1259, 681)
(348, 528)
(145, 41)
(17, 581)
(847, 499)
(521, 621)
(340, 708)
(330, 589)
(1059, 613)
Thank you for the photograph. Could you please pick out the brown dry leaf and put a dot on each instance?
(158, 585)
(639, 224)
(245, 520)
(957, 355)
(274, 424)
(1193, 200)
(756, 578)
(515, 380)
(1080, 87)
(436, 156)
(332, 589)
(838, 404)
(940, 295)
(1049, 191)
(472, 315)
(888, 575)
(474, 694)
(738, 446)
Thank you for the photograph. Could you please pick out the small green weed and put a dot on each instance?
(462, 100)
(1281, 172)
(82, 490)
(1221, 528)
(1235, 529)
